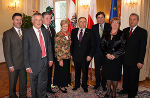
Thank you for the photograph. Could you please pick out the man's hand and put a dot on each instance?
(139, 65)
(29, 70)
(50, 63)
(11, 69)
(88, 58)
(61, 63)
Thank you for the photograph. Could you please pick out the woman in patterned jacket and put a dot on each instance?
(62, 53)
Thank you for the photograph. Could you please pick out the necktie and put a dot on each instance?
(80, 35)
(100, 30)
(20, 35)
(42, 44)
(130, 32)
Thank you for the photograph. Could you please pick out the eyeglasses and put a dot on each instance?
(115, 22)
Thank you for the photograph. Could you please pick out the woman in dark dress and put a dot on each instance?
(62, 53)
(113, 45)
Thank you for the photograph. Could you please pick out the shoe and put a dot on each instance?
(85, 90)
(122, 92)
(75, 88)
(50, 91)
(63, 91)
(96, 87)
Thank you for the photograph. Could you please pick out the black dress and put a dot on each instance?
(112, 68)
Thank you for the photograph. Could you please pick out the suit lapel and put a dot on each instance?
(133, 33)
(15, 33)
(35, 37)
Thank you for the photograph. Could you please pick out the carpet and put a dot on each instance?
(144, 92)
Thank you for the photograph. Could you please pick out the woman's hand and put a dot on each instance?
(61, 63)
(110, 57)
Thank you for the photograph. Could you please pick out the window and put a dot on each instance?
(60, 13)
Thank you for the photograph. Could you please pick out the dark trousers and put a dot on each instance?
(100, 79)
(49, 82)
(13, 77)
(131, 80)
(82, 65)
(38, 81)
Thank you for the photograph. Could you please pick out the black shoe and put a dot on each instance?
(96, 87)
(63, 91)
(104, 89)
(50, 91)
(75, 88)
(122, 92)
(85, 90)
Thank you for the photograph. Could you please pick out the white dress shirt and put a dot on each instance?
(83, 31)
(18, 30)
(133, 28)
(37, 35)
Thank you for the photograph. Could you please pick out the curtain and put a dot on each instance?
(144, 22)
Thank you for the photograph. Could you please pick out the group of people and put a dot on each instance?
(38, 48)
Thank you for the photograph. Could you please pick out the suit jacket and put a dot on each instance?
(51, 36)
(115, 46)
(13, 49)
(95, 31)
(32, 50)
(97, 38)
(135, 46)
(80, 50)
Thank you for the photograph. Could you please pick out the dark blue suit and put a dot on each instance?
(99, 57)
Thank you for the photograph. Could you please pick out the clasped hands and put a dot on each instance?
(110, 56)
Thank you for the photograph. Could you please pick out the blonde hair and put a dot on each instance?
(64, 22)
(115, 18)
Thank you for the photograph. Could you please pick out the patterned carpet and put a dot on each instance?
(144, 92)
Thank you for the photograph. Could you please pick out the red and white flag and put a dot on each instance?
(72, 17)
(91, 15)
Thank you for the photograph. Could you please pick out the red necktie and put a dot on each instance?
(42, 44)
(130, 32)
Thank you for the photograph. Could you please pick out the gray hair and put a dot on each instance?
(134, 14)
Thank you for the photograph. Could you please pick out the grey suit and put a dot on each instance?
(13, 53)
(33, 59)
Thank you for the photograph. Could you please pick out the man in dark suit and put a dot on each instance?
(37, 55)
(134, 55)
(98, 30)
(51, 33)
(13, 53)
(82, 50)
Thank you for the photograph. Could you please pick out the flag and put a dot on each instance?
(72, 17)
(50, 9)
(91, 15)
(113, 10)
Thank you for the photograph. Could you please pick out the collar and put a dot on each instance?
(133, 28)
(82, 29)
(45, 26)
(17, 29)
(35, 29)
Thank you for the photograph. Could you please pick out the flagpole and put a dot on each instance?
(77, 10)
